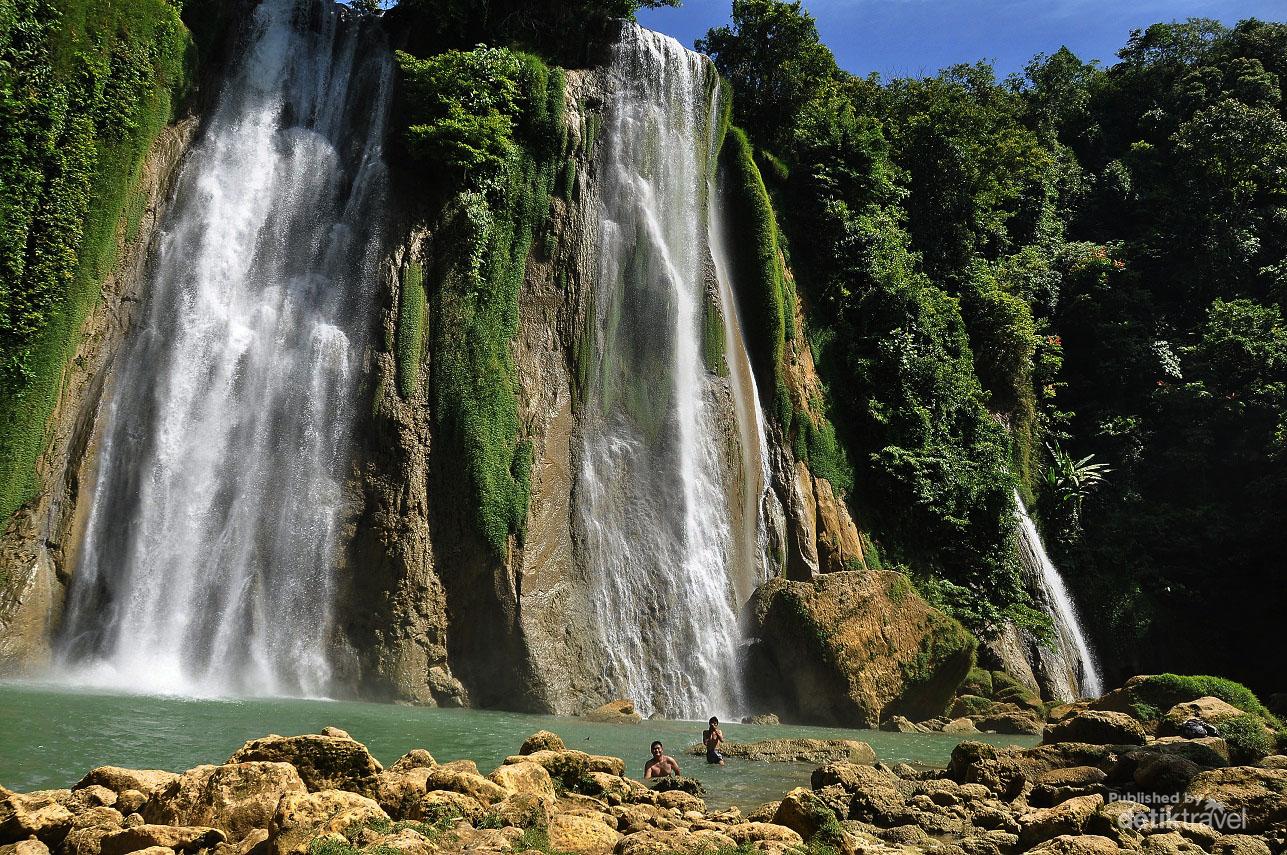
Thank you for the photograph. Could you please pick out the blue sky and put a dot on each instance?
(900, 38)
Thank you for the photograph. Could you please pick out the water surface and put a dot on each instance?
(51, 736)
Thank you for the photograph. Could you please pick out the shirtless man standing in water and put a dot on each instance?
(660, 765)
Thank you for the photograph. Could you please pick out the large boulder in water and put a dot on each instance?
(853, 648)
(325, 761)
(1096, 727)
(615, 712)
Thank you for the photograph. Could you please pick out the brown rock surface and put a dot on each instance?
(615, 712)
(1096, 728)
(323, 762)
(301, 817)
(175, 837)
(235, 798)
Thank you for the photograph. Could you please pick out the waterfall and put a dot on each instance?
(1073, 661)
(655, 526)
(208, 560)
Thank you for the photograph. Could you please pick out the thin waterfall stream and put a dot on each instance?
(1074, 659)
(208, 560)
(657, 536)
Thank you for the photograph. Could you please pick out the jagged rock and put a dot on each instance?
(1259, 794)
(1208, 709)
(760, 832)
(1068, 818)
(542, 740)
(764, 813)
(87, 798)
(582, 835)
(1169, 843)
(441, 804)
(252, 842)
(835, 657)
(401, 789)
(416, 758)
(1018, 723)
(1239, 844)
(803, 812)
(615, 712)
(762, 719)
(175, 837)
(567, 766)
(1096, 728)
(960, 725)
(901, 724)
(98, 816)
(475, 786)
(1209, 751)
(1273, 761)
(525, 778)
(130, 801)
(119, 780)
(680, 801)
(797, 750)
(323, 762)
(41, 814)
(657, 842)
(1072, 776)
(469, 767)
(524, 811)
(234, 798)
(1084, 844)
(25, 847)
(301, 817)
(673, 783)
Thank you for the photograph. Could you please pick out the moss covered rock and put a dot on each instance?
(853, 648)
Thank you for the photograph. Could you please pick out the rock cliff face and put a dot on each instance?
(38, 546)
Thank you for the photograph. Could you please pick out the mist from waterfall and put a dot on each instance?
(209, 556)
(656, 526)
(1079, 672)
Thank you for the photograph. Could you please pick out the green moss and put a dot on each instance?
(85, 88)
(411, 331)
(978, 682)
(713, 345)
(504, 174)
(946, 643)
(1247, 738)
(1164, 691)
(567, 187)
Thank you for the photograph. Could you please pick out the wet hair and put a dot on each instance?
(713, 720)
(656, 744)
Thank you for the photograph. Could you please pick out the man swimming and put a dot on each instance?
(660, 765)
(712, 738)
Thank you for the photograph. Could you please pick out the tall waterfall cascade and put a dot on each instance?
(667, 518)
(209, 556)
(1072, 659)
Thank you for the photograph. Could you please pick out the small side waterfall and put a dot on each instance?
(208, 560)
(656, 530)
(1073, 662)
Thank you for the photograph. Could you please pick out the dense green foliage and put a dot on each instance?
(85, 87)
(485, 128)
(1093, 258)
(560, 29)
(1163, 691)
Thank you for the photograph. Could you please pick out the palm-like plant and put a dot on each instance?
(1070, 481)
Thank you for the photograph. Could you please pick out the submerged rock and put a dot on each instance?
(615, 712)
(797, 750)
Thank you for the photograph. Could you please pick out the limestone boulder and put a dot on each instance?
(98, 816)
(524, 811)
(1096, 727)
(542, 740)
(400, 789)
(1068, 818)
(301, 817)
(42, 814)
(568, 766)
(526, 778)
(659, 842)
(582, 835)
(25, 847)
(615, 712)
(798, 750)
(234, 798)
(835, 656)
(130, 801)
(1257, 795)
(324, 762)
(763, 832)
(416, 758)
(1239, 844)
(1016, 723)
(803, 812)
(605, 764)
(1080, 844)
(446, 805)
(120, 780)
(1209, 709)
(175, 837)
(475, 786)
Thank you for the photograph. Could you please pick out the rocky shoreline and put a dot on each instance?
(1099, 784)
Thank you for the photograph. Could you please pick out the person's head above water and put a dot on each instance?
(656, 748)
(714, 721)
